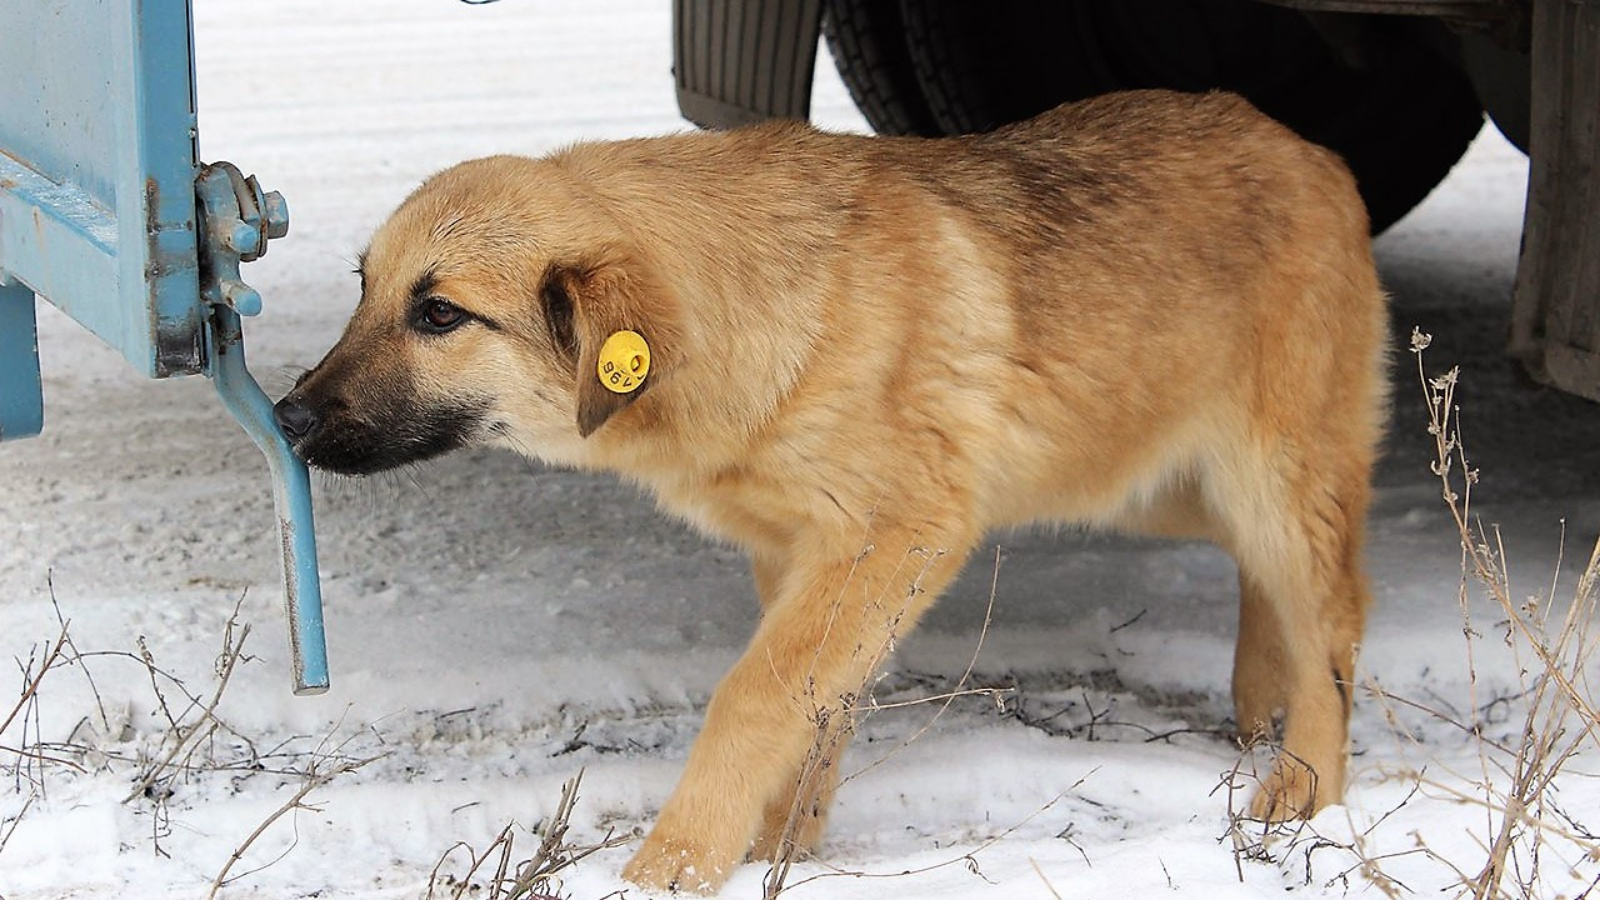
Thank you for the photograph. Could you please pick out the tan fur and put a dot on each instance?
(1149, 312)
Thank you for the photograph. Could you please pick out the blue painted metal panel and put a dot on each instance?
(159, 37)
(97, 124)
(65, 129)
(21, 400)
(57, 240)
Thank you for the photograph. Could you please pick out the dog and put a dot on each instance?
(851, 356)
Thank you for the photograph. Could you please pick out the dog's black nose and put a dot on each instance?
(295, 418)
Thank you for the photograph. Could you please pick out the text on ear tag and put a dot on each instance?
(624, 361)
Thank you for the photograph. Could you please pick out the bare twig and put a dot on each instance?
(533, 878)
(968, 859)
(1516, 779)
(1047, 885)
(1515, 783)
(77, 657)
(835, 719)
(186, 738)
(944, 699)
(32, 679)
(16, 820)
(315, 778)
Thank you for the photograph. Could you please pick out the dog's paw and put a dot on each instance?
(665, 865)
(1289, 793)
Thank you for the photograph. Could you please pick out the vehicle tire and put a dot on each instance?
(868, 43)
(1399, 114)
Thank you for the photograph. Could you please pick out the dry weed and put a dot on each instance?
(836, 719)
(191, 740)
(534, 878)
(322, 767)
(1516, 784)
(1528, 840)
(27, 760)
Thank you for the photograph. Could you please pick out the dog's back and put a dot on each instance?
(1175, 267)
(1083, 301)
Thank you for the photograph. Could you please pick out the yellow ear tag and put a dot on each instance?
(624, 361)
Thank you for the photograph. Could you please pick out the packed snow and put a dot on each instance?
(495, 627)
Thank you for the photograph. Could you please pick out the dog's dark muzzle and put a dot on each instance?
(326, 436)
(331, 434)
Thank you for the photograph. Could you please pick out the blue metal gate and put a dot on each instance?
(107, 213)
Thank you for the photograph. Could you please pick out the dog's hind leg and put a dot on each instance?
(1297, 538)
(830, 624)
(1259, 690)
(1181, 511)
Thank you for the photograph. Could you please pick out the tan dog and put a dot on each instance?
(1148, 312)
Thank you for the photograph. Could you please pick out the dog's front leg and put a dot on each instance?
(832, 621)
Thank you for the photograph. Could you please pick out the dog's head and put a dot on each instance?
(485, 301)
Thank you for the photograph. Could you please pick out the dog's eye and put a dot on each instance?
(438, 316)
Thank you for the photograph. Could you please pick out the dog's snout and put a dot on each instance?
(295, 418)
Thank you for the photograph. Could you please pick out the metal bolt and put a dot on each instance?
(242, 238)
(277, 213)
(242, 297)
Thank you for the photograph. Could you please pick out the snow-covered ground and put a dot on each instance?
(475, 606)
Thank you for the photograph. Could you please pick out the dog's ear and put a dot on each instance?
(585, 304)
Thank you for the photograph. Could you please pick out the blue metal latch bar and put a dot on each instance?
(236, 219)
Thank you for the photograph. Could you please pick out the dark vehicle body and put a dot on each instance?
(1398, 88)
